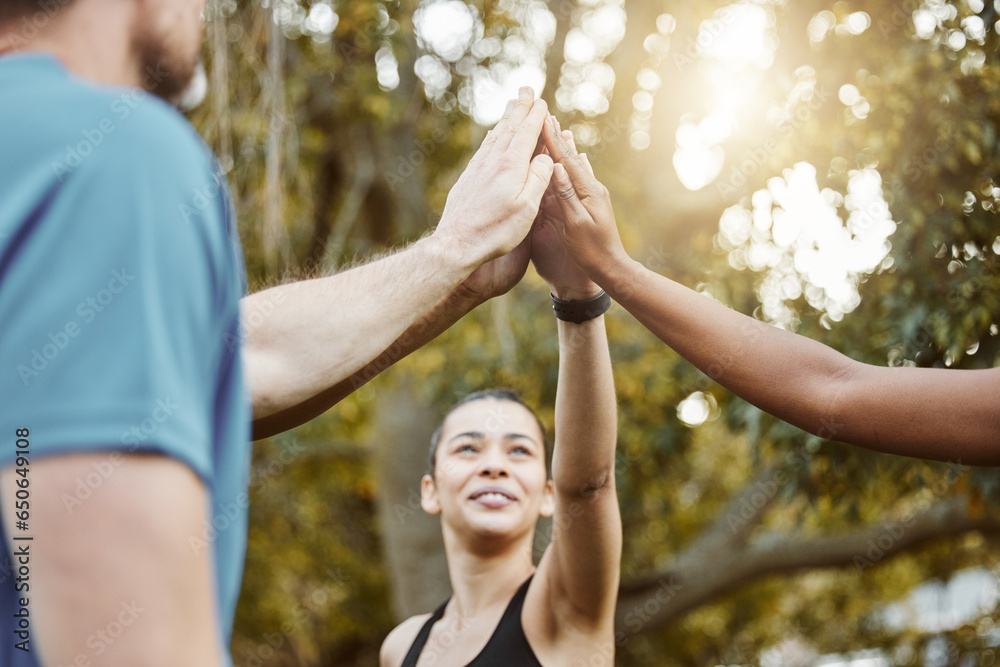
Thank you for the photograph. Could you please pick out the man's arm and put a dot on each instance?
(939, 414)
(321, 332)
(112, 578)
(579, 572)
(492, 279)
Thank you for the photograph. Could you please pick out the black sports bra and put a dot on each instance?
(507, 646)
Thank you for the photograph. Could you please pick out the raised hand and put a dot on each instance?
(491, 208)
(588, 228)
(548, 252)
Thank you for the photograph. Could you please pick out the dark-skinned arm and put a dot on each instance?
(942, 414)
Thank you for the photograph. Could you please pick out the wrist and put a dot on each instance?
(581, 310)
(465, 298)
(575, 292)
(619, 277)
(450, 254)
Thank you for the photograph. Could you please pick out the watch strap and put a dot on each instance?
(582, 310)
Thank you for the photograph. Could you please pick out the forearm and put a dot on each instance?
(586, 410)
(790, 376)
(929, 413)
(587, 538)
(429, 326)
(321, 332)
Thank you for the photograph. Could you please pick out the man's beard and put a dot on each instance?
(180, 82)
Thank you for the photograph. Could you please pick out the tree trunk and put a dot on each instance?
(414, 549)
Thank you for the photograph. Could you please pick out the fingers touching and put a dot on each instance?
(568, 136)
(513, 124)
(519, 127)
(573, 209)
(562, 149)
(492, 205)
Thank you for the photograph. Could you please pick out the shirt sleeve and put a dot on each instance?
(117, 298)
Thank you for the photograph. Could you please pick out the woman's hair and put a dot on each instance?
(500, 394)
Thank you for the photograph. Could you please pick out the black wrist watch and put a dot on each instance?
(581, 311)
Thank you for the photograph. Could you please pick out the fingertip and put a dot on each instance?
(560, 173)
(540, 111)
(568, 136)
(549, 129)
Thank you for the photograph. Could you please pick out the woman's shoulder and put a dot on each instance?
(398, 642)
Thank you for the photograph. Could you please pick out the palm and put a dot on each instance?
(498, 276)
(548, 253)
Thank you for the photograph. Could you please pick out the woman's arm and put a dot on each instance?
(951, 415)
(580, 570)
(943, 414)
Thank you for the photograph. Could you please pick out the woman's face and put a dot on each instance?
(489, 476)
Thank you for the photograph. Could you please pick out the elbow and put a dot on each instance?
(591, 487)
(830, 405)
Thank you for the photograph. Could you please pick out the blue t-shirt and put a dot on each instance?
(120, 279)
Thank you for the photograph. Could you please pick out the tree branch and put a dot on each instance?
(688, 584)
(729, 530)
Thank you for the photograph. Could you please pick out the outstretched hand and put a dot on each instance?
(588, 228)
(548, 252)
(490, 209)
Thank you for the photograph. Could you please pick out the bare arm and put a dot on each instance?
(494, 278)
(580, 570)
(939, 414)
(150, 601)
(322, 331)
(585, 553)
(318, 333)
(943, 414)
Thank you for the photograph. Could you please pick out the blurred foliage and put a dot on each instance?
(365, 165)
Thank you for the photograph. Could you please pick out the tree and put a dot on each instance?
(741, 531)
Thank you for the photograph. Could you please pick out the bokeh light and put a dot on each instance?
(794, 235)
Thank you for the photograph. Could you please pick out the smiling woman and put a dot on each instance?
(489, 454)
(487, 480)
